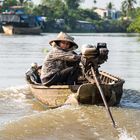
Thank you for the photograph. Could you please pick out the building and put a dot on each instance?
(108, 13)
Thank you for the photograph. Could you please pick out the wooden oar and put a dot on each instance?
(103, 96)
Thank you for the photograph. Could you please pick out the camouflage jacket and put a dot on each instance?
(56, 61)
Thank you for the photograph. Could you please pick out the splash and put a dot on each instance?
(14, 92)
(124, 135)
(13, 98)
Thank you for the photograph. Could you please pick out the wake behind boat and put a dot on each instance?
(86, 90)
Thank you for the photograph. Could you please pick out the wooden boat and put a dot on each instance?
(84, 92)
(10, 30)
(17, 22)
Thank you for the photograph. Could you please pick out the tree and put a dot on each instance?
(135, 25)
(8, 3)
(73, 4)
(87, 14)
(21, 2)
(94, 1)
(128, 6)
(110, 6)
(24, 2)
(53, 9)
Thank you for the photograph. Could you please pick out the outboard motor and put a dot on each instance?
(94, 56)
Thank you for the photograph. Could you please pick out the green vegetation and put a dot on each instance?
(135, 25)
(67, 15)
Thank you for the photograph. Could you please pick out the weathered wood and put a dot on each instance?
(86, 93)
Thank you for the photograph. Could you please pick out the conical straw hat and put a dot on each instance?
(65, 37)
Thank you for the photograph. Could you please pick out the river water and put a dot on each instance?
(23, 118)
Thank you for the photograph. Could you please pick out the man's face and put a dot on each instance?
(65, 44)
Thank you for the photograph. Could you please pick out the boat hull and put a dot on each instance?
(85, 93)
(10, 30)
(53, 96)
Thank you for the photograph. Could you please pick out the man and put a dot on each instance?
(61, 64)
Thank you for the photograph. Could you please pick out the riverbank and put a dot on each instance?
(102, 26)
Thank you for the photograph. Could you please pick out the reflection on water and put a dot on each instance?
(23, 118)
